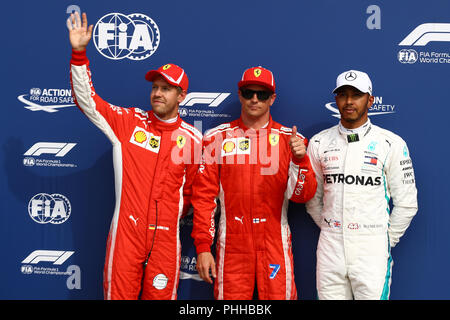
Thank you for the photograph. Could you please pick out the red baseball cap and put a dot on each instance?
(173, 74)
(258, 75)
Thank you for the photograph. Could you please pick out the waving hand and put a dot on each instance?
(79, 32)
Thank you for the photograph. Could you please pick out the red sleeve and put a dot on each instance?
(191, 173)
(302, 182)
(79, 58)
(205, 192)
(112, 120)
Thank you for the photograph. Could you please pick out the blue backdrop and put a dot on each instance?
(57, 185)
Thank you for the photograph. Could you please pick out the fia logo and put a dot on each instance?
(46, 208)
(118, 36)
(407, 56)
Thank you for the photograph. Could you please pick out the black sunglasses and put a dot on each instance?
(262, 95)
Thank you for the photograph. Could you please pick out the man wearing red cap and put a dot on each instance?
(155, 161)
(254, 166)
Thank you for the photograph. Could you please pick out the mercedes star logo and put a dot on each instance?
(350, 76)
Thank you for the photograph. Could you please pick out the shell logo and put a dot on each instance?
(140, 136)
(228, 146)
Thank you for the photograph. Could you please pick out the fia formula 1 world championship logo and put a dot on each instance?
(118, 36)
(419, 38)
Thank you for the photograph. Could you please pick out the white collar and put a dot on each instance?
(358, 130)
(172, 120)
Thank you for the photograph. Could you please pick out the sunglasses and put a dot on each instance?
(261, 95)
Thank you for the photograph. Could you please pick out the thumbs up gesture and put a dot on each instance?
(297, 145)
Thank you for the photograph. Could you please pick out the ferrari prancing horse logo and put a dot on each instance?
(181, 141)
(273, 139)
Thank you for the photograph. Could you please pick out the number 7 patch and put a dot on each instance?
(276, 268)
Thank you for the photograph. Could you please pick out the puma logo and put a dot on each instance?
(134, 220)
(239, 219)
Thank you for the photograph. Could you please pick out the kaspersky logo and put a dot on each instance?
(426, 34)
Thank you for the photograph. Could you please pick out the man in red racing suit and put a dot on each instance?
(254, 166)
(154, 167)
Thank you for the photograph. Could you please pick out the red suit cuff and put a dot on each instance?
(79, 58)
(203, 247)
(301, 162)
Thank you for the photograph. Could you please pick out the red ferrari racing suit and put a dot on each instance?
(254, 175)
(154, 167)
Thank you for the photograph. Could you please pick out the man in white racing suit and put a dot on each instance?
(359, 167)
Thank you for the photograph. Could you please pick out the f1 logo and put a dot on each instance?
(58, 149)
(427, 32)
(213, 99)
(57, 257)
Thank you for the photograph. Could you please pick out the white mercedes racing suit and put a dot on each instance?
(357, 174)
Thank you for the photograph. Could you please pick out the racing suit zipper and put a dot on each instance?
(154, 235)
(251, 200)
(157, 167)
(150, 252)
(251, 224)
(159, 156)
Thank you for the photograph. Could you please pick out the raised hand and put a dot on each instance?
(297, 145)
(79, 32)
